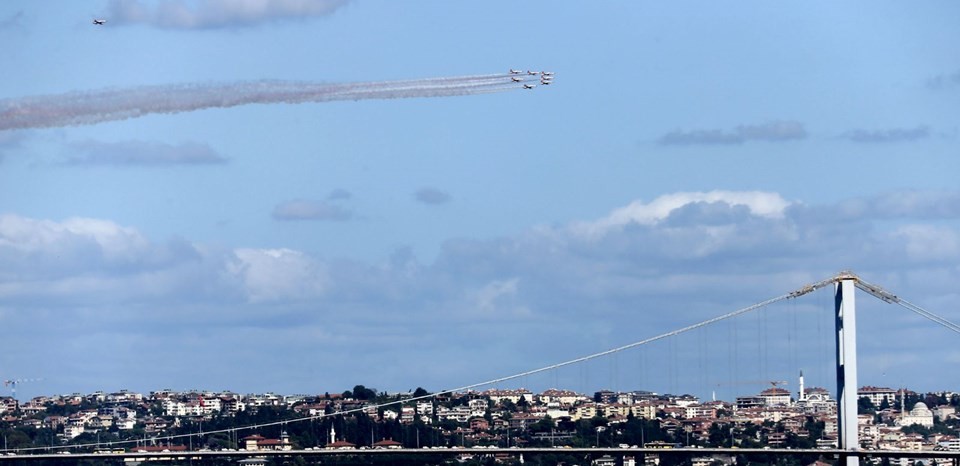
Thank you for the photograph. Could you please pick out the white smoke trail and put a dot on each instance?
(87, 108)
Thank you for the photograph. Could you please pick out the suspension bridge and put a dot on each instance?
(848, 448)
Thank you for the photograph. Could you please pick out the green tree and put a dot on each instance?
(363, 393)
(522, 403)
(543, 425)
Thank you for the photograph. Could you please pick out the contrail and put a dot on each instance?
(91, 107)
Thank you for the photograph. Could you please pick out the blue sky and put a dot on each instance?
(691, 158)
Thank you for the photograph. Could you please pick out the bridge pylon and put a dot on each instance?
(846, 315)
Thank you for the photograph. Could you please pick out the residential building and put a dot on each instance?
(877, 395)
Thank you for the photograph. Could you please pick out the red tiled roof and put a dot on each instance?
(387, 443)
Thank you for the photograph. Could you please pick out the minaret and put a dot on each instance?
(903, 404)
(803, 395)
(333, 434)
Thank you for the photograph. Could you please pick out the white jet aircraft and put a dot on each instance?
(516, 80)
(99, 22)
(528, 86)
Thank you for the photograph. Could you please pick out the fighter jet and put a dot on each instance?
(528, 86)
(99, 22)
(516, 80)
(513, 71)
(546, 73)
(532, 73)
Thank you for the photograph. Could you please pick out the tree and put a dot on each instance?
(363, 393)
(522, 403)
(420, 392)
(508, 406)
(719, 435)
(543, 425)
(865, 406)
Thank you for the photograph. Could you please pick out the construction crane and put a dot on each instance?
(12, 383)
(775, 383)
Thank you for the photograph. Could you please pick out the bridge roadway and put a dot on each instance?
(62, 458)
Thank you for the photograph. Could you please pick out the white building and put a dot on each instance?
(877, 395)
(425, 408)
(72, 431)
(776, 396)
(920, 414)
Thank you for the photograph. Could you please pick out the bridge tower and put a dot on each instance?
(845, 305)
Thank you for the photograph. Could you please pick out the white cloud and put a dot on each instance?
(930, 243)
(111, 243)
(305, 209)
(208, 14)
(645, 268)
(761, 204)
(887, 135)
(142, 153)
(279, 274)
(498, 298)
(775, 131)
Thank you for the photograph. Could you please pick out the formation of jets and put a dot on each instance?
(99, 22)
(546, 77)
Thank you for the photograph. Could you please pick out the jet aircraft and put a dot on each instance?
(516, 80)
(528, 86)
(99, 22)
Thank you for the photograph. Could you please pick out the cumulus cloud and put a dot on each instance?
(893, 205)
(76, 241)
(634, 272)
(887, 135)
(304, 209)
(497, 299)
(431, 196)
(210, 14)
(762, 204)
(278, 274)
(142, 153)
(929, 242)
(776, 131)
(84, 260)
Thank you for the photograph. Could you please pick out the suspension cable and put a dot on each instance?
(464, 388)
(894, 299)
(869, 288)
